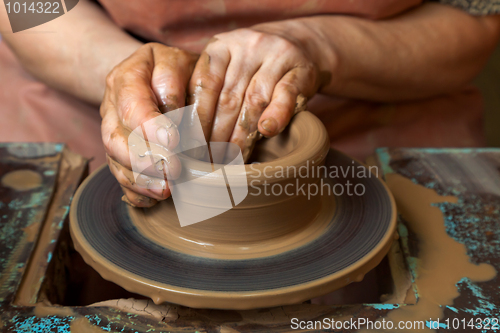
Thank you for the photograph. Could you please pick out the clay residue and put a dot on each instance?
(253, 137)
(229, 320)
(250, 142)
(82, 325)
(127, 201)
(403, 290)
(142, 307)
(22, 180)
(442, 261)
(43, 310)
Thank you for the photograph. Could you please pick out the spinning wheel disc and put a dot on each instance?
(353, 242)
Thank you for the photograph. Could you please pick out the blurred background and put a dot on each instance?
(489, 83)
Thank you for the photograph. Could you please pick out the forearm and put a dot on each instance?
(74, 52)
(430, 50)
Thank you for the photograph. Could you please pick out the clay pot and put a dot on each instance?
(269, 250)
(272, 212)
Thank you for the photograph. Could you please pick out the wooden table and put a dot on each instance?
(475, 222)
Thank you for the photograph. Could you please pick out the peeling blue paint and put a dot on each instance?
(384, 159)
(34, 200)
(472, 221)
(49, 173)
(384, 306)
(413, 265)
(41, 325)
(485, 307)
(66, 212)
(402, 230)
(95, 319)
(49, 256)
(482, 238)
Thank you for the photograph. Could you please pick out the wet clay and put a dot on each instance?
(43, 310)
(208, 295)
(252, 138)
(260, 225)
(82, 325)
(142, 307)
(22, 180)
(250, 236)
(169, 313)
(442, 260)
(254, 231)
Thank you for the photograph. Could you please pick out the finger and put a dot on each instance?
(114, 135)
(134, 153)
(281, 109)
(135, 100)
(237, 79)
(169, 88)
(238, 75)
(171, 97)
(207, 81)
(137, 200)
(257, 97)
(145, 185)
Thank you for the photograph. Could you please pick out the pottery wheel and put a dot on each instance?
(341, 249)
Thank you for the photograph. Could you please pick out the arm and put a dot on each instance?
(85, 54)
(249, 79)
(427, 51)
(74, 52)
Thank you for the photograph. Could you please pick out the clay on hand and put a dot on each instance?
(249, 79)
(150, 82)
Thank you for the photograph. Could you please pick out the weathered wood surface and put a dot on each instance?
(482, 241)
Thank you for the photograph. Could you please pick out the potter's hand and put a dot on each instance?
(150, 82)
(249, 79)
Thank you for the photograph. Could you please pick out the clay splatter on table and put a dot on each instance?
(474, 221)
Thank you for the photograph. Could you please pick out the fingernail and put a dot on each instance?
(162, 167)
(157, 191)
(270, 125)
(175, 117)
(163, 135)
(166, 107)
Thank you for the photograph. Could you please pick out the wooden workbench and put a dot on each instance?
(475, 222)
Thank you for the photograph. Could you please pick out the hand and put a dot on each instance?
(249, 79)
(150, 82)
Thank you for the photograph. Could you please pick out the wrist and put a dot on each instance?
(309, 35)
(93, 81)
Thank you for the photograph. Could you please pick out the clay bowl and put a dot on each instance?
(267, 251)
(268, 217)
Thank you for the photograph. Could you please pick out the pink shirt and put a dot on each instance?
(32, 111)
(190, 24)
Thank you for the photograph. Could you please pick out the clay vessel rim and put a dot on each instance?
(304, 150)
